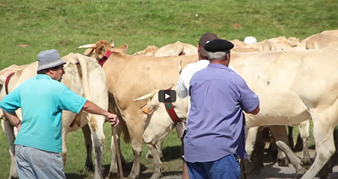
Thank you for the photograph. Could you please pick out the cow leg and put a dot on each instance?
(290, 137)
(149, 154)
(98, 138)
(251, 135)
(299, 145)
(113, 170)
(64, 146)
(156, 162)
(255, 151)
(279, 133)
(323, 126)
(135, 127)
(295, 161)
(327, 169)
(160, 149)
(88, 143)
(304, 131)
(9, 131)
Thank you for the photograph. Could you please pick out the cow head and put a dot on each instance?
(149, 51)
(99, 49)
(159, 124)
(293, 41)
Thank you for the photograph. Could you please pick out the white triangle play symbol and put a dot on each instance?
(166, 96)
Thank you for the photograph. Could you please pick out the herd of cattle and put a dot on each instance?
(295, 79)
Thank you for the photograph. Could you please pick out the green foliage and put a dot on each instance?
(28, 27)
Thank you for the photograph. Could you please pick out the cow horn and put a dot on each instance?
(147, 96)
(112, 43)
(86, 46)
(179, 66)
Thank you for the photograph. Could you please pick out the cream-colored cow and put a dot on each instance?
(129, 77)
(159, 125)
(325, 39)
(176, 49)
(85, 77)
(149, 51)
(294, 86)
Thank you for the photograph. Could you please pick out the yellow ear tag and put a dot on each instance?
(146, 110)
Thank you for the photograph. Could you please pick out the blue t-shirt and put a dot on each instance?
(42, 100)
(216, 123)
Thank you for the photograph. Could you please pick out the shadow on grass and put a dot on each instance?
(75, 176)
(145, 173)
(126, 170)
(172, 153)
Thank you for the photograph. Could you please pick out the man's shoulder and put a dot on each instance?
(192, 68)
(55, 85)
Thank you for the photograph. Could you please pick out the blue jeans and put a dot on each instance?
(224, 168)
(34, 163)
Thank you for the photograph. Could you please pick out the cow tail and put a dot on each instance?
(126, 135)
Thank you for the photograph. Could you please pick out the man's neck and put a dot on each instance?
(50, 75)
(202, 58)
(225, 63)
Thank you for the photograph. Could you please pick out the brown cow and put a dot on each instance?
(129, 77)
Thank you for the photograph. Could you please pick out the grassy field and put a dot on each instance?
(28, 27)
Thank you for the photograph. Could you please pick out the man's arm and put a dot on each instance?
(13, 118)
(255, 111)
(92, 108)
(249, 101)
(181, 90)
(9, 104)
(73, 102)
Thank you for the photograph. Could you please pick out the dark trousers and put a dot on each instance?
(224, 168)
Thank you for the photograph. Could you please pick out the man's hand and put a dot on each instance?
(18, 127)
(113, 119)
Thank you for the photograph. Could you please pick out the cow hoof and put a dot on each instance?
(86, 169)
(156, 176)
(283, 163)
(298, 176)
(306, 165)
(149, 156)
(306, 162)
(300, 173)
(112, 175)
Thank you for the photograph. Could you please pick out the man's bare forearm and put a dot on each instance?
(13, 118)
(94, 109)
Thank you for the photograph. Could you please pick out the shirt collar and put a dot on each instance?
(203, 61)
(216, 65)
(43, 76)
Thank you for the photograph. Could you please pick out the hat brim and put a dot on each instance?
(51, 65)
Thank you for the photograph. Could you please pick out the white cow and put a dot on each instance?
(293, 86)
(176, 49)
(85, 77)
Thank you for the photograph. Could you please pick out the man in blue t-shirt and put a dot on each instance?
(42, 99)
(216, 127)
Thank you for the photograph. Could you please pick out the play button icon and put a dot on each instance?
(167, 96)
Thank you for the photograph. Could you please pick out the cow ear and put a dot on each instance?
(122, 48)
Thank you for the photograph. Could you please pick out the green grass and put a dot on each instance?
(66, 24)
